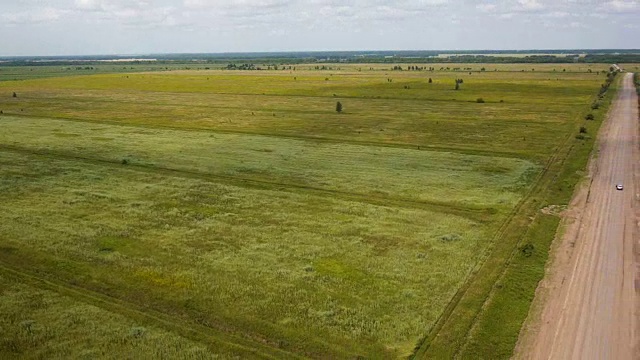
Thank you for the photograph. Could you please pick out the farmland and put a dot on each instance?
(236, 213)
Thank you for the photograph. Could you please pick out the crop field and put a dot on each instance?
(224, 214)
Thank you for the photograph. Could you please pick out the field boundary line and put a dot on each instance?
(445, 315)
(464, 211)
(418, 100)
(193, 331)
(503, 270)
(302, 138)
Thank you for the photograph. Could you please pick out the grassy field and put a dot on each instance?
(232, 213)
(44, 324)
(39, 71)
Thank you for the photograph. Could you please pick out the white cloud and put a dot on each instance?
(557, 14)
(37, 16)
(486, 7)
(622, 5)
(89, 4)
(530, 5)
(237, 4)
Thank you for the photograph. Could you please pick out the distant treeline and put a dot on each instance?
(469, 56)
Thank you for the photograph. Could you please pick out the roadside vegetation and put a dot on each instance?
(489, 314)
(313, 213)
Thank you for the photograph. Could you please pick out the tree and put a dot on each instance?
(338, 107)
(430, 80)
(458, 82)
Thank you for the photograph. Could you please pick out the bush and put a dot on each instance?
(450, 237)
(125, 162)
(527, 250)
(589, 117)
(137, 331)
(583, 130)
(15, 95)
(480, 100)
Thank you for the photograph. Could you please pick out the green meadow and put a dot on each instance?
(215, 214)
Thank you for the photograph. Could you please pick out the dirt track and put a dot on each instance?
(588, 306)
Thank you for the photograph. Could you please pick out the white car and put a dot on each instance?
(619, 187)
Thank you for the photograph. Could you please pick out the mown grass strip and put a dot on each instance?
(472, 326)
(477, 213)
(323, 139)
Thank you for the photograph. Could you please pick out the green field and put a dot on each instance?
(213, 213)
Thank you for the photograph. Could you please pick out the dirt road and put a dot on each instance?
(588, 306)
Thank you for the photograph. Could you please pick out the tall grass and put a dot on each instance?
(39, 323)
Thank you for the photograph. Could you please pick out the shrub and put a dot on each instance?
(338, 107)
(137, 331)
(15, 95)
(125, 162)
(583, 130)
(480, 100)
(527, 250)
(450, 237)
(589, 117)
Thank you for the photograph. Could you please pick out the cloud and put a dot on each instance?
(557, 14)
(90, 4)
(236, 4)
(530, 5)
(621, 5)
(486, 7)
(36, 16)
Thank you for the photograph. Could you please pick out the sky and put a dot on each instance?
(102, 27)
